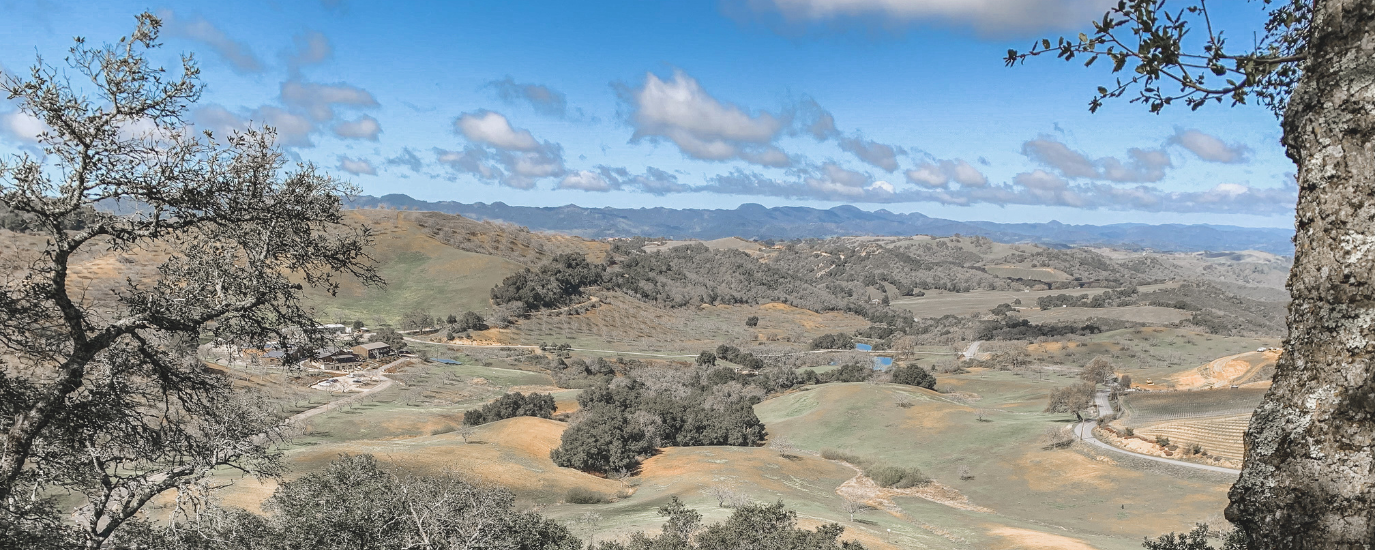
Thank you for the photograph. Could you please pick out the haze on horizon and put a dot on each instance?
(899, 105)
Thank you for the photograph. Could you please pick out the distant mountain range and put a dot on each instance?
(753, 221)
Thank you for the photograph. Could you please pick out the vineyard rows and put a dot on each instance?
(1219, 436)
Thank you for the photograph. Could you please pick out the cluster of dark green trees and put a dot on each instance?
(914, 375)
(511, 405)
(838, 340)
(732, 354)
(557, 283)
(630, 417)
(1125, 296)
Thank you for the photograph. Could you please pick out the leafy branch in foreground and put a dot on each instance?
(1167, 64)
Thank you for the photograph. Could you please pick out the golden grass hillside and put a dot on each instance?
(1033, 492)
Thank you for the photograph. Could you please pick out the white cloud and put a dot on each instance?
(319, 100)
(965, 174)
(21, 127)
(365, 127)
(491, 128)
(238, 54)
(872, 152)
(543, 99)
(407, 159)
(356, 167)
(989, 17)
(1210, 148)
(1142, 166)
(500, 152)
(681, 111)
(586, 181)
(940, 173)
(883, 186)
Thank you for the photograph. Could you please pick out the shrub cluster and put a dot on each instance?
(883, 475)
(628, 418)
(835, 340)
(914, 375)
(511, 405)
(559, 282)
(734, 355)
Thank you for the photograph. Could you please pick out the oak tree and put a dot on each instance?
(101, 395)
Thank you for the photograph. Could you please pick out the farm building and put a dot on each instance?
(332, 355)
(372, 350)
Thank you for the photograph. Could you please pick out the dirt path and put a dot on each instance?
(327, 407)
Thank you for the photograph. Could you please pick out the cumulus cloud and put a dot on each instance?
(1210, 148)
(238, 54)
(356, 167)
(939, 174)
(365, 127)
(491, 128)
(407, 159)
(586, 181)
(21, 127)
(471, 160)
(988, 17)
(292, 130)
(501, 152)
(1142, 165)
(680, 111)
(543, 99)
(318, 101)
(872, 152)
(653, 181)
(311, 47)
(818, 122)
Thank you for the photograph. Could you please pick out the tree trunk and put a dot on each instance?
(1309, 475)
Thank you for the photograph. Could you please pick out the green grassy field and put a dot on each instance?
(421, 274)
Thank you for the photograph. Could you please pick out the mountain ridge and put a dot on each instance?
(755, 221)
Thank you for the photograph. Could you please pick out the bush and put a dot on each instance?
(914, 375)
(897, 478)
(884, 476)
(511, 405)
(836, 340)
(832, 454)
(579, 495)
(706, 358)
(753, 321)
(557, 283)
(469, 321)
(849, 373)
(604, 441)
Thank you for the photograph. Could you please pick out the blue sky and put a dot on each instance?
(897, 104)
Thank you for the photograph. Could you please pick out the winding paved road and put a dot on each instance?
(1085, 432)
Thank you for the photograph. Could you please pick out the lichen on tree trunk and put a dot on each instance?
(1309, 475)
